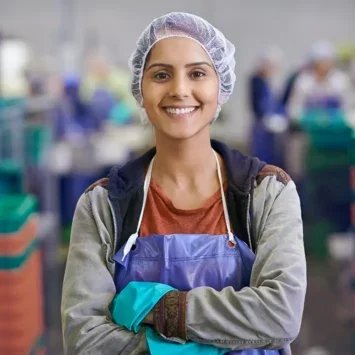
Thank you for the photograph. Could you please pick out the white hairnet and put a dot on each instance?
(322, 50)
(178, 24)
(272, 55)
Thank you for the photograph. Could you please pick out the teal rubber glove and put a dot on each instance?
(132, 305)
(158, 345)
(135, 301)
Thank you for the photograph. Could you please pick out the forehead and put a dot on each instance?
(178, 51)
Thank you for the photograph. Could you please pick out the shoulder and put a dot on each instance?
(340, 78)
(273, 171)
(305, 80)
(95, 200)
(275, 195)
(339, 74)
(104, 182)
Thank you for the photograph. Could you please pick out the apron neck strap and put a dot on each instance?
(224, 202)
(147, 179)
(225, 209)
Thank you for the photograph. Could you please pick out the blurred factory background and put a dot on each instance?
(67, 116)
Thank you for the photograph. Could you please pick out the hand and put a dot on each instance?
(275, 123)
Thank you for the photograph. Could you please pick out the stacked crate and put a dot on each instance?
(327, 187)
(25, 143)
(21, 304)
(352, 180)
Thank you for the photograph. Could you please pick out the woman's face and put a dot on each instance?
(180, 88)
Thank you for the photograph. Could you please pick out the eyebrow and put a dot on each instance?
(170, 66)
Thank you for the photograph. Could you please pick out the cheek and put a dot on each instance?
(209, 93)
(151, 93)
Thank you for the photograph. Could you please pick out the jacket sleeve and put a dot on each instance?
(88, 289)
(268, 313)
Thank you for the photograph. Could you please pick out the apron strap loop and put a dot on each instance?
(130, 242)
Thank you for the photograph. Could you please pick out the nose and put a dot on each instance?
(179, 87)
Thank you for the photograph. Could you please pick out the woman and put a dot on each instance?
(196, 199)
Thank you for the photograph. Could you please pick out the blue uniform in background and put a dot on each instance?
(263, 103)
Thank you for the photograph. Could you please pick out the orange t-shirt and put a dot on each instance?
(162, 217)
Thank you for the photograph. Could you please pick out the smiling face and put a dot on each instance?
(180, 89)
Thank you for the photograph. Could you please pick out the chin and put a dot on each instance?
(184, 134)
(180, 136)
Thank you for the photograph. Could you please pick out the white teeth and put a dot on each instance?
(180, 111)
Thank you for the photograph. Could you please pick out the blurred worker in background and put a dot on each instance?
(107, 88)
(322, 86)
(268, 112)
(291, 81)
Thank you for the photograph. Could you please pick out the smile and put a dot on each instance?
(180, 112)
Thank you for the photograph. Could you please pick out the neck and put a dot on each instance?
(184, 162)
(263, 73)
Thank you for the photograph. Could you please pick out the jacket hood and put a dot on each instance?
(241, 171)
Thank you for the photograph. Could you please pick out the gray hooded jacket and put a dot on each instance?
(265, 212)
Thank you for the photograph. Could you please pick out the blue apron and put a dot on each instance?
(187, 261)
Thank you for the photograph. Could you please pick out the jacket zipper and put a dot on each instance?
(114, 226)
(248, 223)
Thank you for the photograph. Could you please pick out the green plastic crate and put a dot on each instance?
(352, 149)
(327, 129)
(11, 177)
(14, 211)
(316, 235)
(37, 140)
(11, 102)
(318, 159)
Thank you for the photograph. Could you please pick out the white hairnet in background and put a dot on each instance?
(322, 50)
(178, 24)
(272, 55)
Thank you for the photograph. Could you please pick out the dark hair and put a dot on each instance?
(147, 58)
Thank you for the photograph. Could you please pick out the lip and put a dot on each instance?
(180, 115)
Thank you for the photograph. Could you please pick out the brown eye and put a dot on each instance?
(197, 74)
(161, 76)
